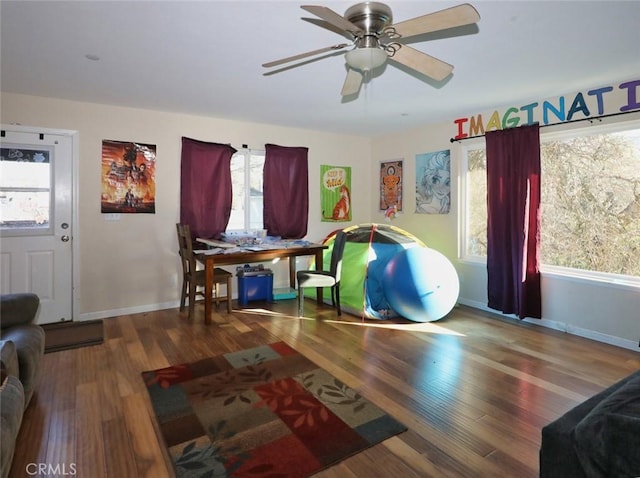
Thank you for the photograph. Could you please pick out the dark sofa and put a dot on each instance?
(21, 350)
(600, 438)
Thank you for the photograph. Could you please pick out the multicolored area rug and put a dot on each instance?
(262, 412)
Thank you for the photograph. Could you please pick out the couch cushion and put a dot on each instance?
(607, 439)
(29, 342)
(9, 358)
(11, 408)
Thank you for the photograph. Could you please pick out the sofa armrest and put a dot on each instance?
(29, 343)
(607, 440)
(558, 455)
(18, 309)
(11, 407)
(9, 359)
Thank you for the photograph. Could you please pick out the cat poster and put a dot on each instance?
(128, 177)
(433, 183)
(335, 193)
(391, 185)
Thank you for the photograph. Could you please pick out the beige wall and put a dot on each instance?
(131, 264)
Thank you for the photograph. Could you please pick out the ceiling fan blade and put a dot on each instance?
(319, 22)
(332, 17)
(352, 83)
(304, 55)
(463, 14)
(422, 63)
(307, 61)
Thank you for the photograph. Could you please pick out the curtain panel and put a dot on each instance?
(286, 191)
(513, 222)
(205, 187)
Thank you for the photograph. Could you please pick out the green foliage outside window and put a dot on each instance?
(590, 203)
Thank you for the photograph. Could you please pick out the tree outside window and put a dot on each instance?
(247, 182)
(590, 202)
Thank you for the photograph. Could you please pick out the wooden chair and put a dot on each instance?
(330, 278)
(193, 279)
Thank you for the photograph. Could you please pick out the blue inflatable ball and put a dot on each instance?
(421, 284)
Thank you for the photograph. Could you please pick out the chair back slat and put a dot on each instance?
(336, 255)
(186, 248)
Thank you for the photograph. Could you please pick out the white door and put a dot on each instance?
(36, 229)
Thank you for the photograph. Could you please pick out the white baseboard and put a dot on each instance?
(561, 326)
(103, 314)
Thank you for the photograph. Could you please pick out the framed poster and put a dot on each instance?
(433, 182)
(128, 177)
(391, 185)
(335, 193)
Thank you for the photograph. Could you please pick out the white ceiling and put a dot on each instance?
(204, 58)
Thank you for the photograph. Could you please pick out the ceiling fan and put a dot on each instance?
(375, 39)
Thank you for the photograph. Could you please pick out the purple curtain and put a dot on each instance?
(513, 209)
(205, 187)
(286, 191)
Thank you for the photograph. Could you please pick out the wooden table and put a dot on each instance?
(246, 256)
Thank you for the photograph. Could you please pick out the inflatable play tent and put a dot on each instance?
(368, 249)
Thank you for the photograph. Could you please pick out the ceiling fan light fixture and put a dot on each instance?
(365, 59)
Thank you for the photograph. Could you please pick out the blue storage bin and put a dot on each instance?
(255, 285)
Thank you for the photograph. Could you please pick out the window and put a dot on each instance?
(590, 209)
(25, 193)
(246, 178)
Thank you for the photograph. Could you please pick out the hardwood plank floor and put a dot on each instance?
(474, 389)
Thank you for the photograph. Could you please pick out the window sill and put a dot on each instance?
(575, 275)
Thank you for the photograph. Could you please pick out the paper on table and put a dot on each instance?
(208, 252)
(214, 243)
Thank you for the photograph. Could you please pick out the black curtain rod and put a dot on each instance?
(591, 120)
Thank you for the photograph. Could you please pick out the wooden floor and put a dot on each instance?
(473, 389)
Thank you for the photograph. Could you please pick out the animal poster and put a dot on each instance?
(128, 177)
(391, 185)
(335, 193)
(433, 182)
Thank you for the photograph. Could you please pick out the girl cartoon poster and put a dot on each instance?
(433, 183)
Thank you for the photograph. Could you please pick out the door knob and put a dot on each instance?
(65, 238)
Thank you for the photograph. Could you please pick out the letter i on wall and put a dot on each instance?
(335, 193)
